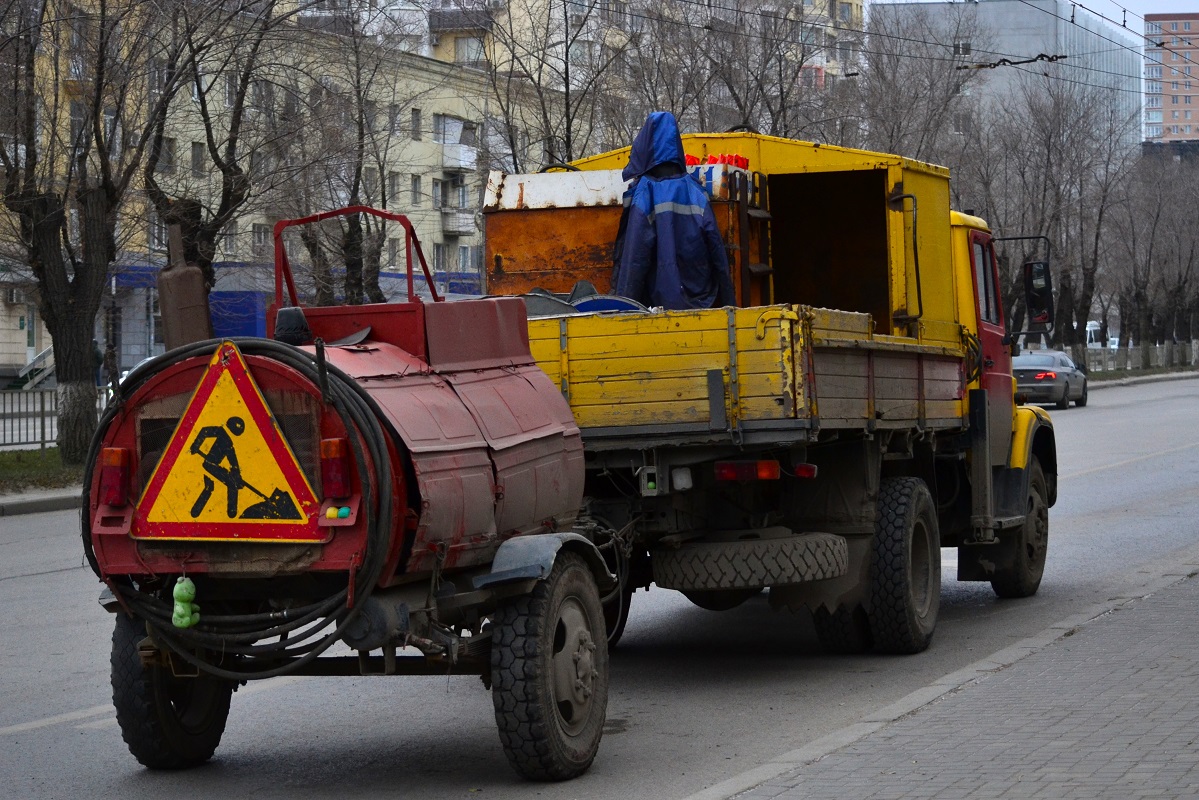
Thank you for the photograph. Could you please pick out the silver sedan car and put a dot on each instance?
(1049, 376)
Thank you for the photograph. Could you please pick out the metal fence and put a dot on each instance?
(1171, 354)
(30, 418)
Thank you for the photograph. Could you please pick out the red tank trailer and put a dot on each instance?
(372, 490)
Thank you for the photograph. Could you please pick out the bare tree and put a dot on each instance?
(81, 125)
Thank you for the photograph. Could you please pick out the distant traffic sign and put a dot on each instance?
(228, 474)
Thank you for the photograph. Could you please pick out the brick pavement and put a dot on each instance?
(1110, 711)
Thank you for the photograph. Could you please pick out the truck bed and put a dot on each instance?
(761, 375)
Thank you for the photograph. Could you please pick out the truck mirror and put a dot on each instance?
(1038, 292)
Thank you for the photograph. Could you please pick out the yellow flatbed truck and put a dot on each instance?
(826, 437)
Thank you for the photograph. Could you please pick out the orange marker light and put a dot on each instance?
(114, 476)
(335, 467)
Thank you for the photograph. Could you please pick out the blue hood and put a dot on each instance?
(658, 142)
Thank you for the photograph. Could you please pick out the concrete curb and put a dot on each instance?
(65, 500)
(1169, 573)
(1092, 385)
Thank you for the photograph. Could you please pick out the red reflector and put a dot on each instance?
(805, 470)
(335, 468)
(747, 470)
(1043, 375)
(114, 476)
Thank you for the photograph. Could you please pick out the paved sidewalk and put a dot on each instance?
(1110, 710)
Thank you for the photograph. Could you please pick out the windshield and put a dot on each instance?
(1033, 361)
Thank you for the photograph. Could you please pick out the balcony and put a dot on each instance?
(459, 157)
(458, 222)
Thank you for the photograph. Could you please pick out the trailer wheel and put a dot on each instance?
(1031, 544)
(720, 599)
(549, 673)
(167, 722)
(845, 631)
(905, 576)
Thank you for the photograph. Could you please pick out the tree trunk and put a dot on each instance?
(371, 255)
(322, 275)
(351, 247)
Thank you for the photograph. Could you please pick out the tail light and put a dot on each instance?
(747, 470)
(335, 467)
(114, 476)
(1046, 375)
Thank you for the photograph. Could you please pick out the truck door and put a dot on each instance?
(996, 377)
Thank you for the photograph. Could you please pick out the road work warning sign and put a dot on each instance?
(228, 474)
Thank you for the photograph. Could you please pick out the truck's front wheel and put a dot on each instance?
(549, 673)
(1030, 543)
(167, 722)
(905, 575)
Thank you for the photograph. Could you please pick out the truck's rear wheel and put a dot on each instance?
(905, 575)
(167, 722)
(549, 673)
(1022, 576)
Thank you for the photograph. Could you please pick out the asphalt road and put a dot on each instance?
(696, 696)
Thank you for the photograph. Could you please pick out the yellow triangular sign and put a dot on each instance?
(228, 473)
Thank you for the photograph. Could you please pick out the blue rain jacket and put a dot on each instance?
(669, 251)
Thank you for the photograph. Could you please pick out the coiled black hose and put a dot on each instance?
(235, 637)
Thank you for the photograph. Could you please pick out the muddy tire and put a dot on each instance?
(845, 631)
(549, 673)
(751, 563)
(905, 573)
(720, 599)
(168, 723)
(1022, 577)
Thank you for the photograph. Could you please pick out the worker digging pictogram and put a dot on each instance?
(227, 472)
(220, 462)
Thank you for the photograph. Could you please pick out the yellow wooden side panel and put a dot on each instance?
(652, 369)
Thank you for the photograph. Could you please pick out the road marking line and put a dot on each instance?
(1127, 461)
(95, 711)
(57, 719)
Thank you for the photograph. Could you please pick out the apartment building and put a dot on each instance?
(1171, 77)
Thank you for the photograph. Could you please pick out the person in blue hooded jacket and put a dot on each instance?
(669, 251)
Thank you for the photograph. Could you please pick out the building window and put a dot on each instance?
(1186, 26)
(1174, 100)
(1173, 26)
(438, 188)
(416, 193)
(229, 239)
(198, 159)
(262, 239)
(166, 156)
(438, 258)
(158, 234)
(230, 89)
(393, 252)
(961, 48)
(1186, 100)
(393, 186)
(464, 256)
(158, 78)
(370, 181)
(1173, 115)
(416, 124)
(393, 118)
(468, 50)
